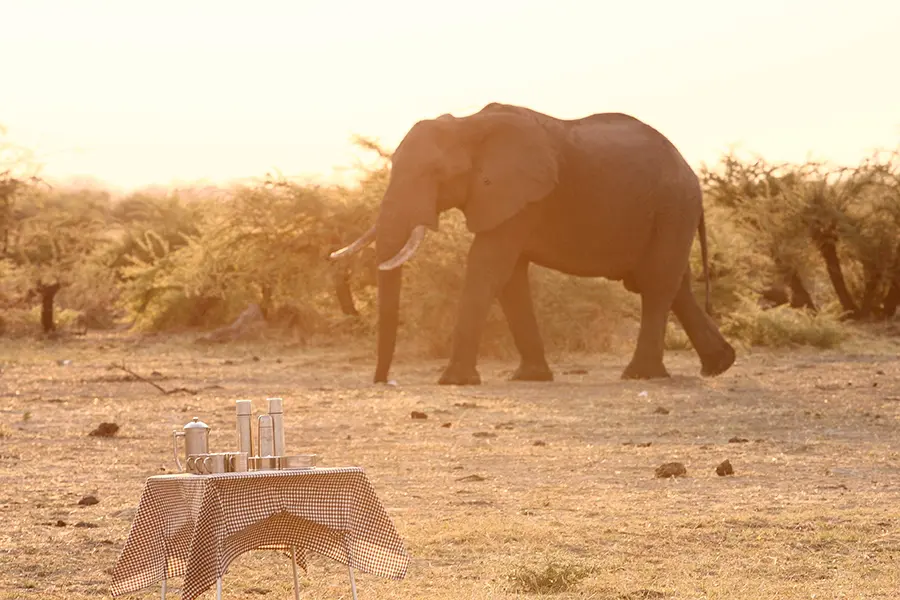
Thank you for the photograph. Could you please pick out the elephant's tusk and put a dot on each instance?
(407, 251)
(364, 240)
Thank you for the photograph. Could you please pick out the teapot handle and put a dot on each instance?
(175, 435)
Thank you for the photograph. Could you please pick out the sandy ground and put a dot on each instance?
(505, 490)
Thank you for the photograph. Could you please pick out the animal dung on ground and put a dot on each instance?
(447, 425)
(671, 469)
(738, 440)
(105, 430)
(418, 415)
(661, 410)
(724, 468)
(88, 501)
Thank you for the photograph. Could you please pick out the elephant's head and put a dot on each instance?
(490, 165)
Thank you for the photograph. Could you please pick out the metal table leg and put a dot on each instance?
(218, 588)
(352, 583)
(294, 567)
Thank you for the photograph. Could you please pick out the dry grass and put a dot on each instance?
(813, 510)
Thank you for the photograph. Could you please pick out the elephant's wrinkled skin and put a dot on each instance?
(602, 196)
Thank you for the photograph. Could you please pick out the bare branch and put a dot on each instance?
(164, 391)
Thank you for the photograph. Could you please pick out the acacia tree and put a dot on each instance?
(871, 223)
(759, 200)
(50, 239)
(844, 218)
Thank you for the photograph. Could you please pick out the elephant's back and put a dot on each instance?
(618, 177)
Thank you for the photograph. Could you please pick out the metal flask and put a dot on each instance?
(196, 440)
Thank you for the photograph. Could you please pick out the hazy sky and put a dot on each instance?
(134, 93)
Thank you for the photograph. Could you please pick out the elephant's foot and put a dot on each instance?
(645, 370)
(718, 363)
(457, 375)
(532, 372)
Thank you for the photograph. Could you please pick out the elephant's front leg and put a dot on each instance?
(490, 264)
(515, 298)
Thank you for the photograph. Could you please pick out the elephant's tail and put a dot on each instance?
(704, 254)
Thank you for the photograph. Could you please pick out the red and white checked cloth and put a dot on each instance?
(203, 522)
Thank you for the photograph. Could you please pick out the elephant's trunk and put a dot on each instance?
(389, 283)
(391, 241)
(388, 320)
(406, 212)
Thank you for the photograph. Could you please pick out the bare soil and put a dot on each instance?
(503, 490)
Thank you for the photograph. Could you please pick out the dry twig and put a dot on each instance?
(182, 390)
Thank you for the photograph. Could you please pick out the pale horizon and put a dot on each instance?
(212, 92)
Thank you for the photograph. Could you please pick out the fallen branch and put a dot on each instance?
(178, 390)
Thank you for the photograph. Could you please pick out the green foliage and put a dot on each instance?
(783, 326)
(757, 233)
(266, 243)
(833, 229)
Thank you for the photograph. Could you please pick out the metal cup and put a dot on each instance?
(194, 463)
(237, 462)
(214, 463)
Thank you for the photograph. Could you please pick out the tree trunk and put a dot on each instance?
(265, 305)
(341, 280)
(892, 298)
(800, 297)
(48, 293)
(828, 250)
(873, 282)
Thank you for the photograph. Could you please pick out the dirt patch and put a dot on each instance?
(536, 487)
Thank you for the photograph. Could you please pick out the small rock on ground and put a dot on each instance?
(724, 468)
(671, 469)
(105, 430)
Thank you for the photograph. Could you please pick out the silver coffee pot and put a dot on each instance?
(196, 440)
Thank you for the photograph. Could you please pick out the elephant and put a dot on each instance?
(605, 195)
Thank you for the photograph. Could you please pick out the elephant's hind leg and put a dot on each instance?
(647, 361)
(658, 278)
(716, 354)
(515, 299)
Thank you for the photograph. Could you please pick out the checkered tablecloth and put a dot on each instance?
(195, 525)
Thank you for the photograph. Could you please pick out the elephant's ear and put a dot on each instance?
(515, 163)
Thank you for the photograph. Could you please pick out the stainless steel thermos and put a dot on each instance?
(245, 426)
(266, 436)
(276, 411)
